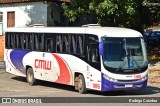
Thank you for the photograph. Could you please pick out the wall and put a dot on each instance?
(25, 14)
(1, 46)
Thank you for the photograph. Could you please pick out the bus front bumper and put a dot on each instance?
(116, 86)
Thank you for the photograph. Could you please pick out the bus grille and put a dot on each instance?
(123, 86)
(135, 80)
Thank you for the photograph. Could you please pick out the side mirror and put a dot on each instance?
(100, 46)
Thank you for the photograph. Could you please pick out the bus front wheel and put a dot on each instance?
(81, 84)
(30, 77)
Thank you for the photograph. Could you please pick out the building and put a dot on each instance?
(23, 13)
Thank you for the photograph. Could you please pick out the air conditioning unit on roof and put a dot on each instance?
(37, 25)
(91, 25)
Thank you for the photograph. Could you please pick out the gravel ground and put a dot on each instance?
(154, 74)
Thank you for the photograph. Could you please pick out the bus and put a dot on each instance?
(88, 58)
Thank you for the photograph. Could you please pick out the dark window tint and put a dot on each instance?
(59, 43)
(17, 41)
(49, 45)
(76, 44)
(65, 46)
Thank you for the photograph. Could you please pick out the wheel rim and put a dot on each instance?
(30, 77)
(80, 84)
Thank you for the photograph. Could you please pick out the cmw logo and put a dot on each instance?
(43, 64)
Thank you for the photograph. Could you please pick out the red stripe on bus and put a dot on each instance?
(64, 77)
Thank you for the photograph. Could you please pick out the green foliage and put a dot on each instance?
(123, 13)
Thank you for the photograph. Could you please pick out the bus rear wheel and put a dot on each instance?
(30, 77)
(81, 86)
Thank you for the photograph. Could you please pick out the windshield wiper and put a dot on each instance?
(123, 62)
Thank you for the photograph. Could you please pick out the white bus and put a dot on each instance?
(96, 58)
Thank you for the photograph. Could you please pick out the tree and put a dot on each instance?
(153, 7)
(122, 13)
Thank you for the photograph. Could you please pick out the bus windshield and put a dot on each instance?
(124, 53)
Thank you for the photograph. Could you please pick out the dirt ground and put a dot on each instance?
(154, 66)
(154, 74)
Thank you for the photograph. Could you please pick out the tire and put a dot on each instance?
(81, 84)
(30, 77)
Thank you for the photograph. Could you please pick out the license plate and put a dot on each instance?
(128, 86)
(137, 76)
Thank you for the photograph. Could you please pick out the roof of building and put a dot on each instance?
(22, 1)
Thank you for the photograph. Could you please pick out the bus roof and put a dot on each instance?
(100, 31)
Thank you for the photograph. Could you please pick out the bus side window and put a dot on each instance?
(12, 40)
(22, 41)
(8, 40)
(31, 41)
(41, 42)
(80, 47)
(92, 53)
(59, 45)
(28, 43)
(49, 45)
(77, 45)
(25, 41)
(88, 53)
(19, 41)
(36, 41)
(16, 40)
(93, 56)
(65, 43)
(73, 44)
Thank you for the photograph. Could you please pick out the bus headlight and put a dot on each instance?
(143, 78)
(109, 78)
